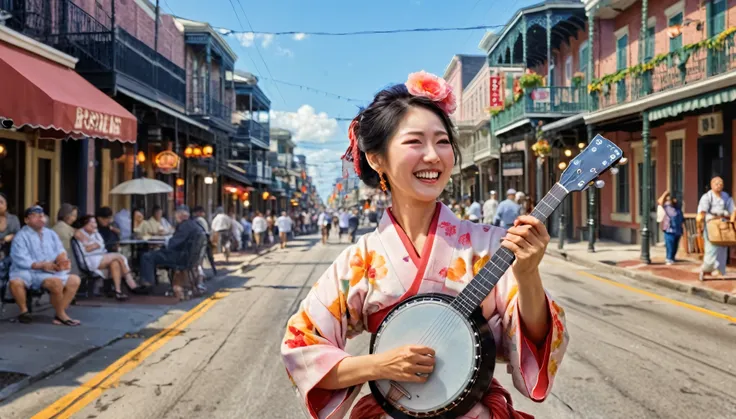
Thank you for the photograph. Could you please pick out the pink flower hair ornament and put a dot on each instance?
(433, 88)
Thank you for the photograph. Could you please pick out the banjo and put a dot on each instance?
(455, 328)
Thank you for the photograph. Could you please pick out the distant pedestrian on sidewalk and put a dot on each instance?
(285, 226)
(489, 208)
(259, 229)
(714, 204)
(671, 222)
(508, 211)
(353, 223)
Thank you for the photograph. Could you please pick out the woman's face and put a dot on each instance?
(158, 214)
(72, 217)
(3, 205)
(138, 216)
(419, 157)
(91, 226)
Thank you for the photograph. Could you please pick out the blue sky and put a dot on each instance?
(352, 66)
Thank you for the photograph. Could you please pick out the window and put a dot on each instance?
(583, 56)
(622, 189)
(622, 45)
(649, 47)
(652, 181)
(717, 17)
(676, 169)
(676, 42)
(568, 70)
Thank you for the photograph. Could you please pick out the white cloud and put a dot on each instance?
(267, 39)
(306, 124)
(286, 52)
(247, 39)
(299, 36)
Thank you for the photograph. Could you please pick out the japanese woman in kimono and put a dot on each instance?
(404, 142)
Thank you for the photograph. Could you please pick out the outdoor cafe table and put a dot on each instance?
(137, 244)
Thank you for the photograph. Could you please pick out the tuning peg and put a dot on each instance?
(623, 160)
(614, 170)
(600, 184)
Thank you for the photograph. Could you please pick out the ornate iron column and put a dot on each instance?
(646, 188)
(549, 48)
(643, 35)
(208, 85)
(590, 49)
(523, 39)
(591, 205)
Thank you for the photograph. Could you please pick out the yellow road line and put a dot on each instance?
(661, 298)
(83, 395)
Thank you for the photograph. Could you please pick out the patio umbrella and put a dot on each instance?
(141, 186)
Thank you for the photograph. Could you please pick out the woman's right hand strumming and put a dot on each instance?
(404, 363)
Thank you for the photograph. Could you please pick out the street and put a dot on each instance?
(636, 351)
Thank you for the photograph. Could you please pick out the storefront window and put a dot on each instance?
(622, 189)
(12, 175)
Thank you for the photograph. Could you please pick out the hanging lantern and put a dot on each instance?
(179, 182)
(304, 188)
(188, 151)
(266, 195)
(207, 151)
(197, 152)
(339, 186)
(141, 157)
(568, 152)
(209, 180)
(3, 151)
(245, 196)
(232, 190)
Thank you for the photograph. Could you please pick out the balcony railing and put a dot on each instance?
(199, 105)
(256, 132)
(543, 100)
(258, 172)
(69, 28)
(689, 64)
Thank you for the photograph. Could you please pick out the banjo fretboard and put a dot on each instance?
(482, 284)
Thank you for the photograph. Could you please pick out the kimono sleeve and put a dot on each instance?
(316, 335)
(20, 254)
(532, 367)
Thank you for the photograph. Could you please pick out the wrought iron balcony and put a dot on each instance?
(101, 49)
(200, 104)
(258, 172)
(255, 132)
(689, 64)
(543, 101)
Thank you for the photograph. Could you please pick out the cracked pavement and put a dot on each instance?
(630, 355)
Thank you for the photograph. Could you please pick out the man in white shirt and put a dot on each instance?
(343, 223)
(222, 226)
(489, 208)
(285, 224)
(259, 229)
(325, 222)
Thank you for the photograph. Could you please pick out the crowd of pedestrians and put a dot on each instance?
(492, 211)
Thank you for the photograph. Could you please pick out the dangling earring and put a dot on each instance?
(383, 182)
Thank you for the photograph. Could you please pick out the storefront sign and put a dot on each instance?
(88, 120)
(167, 162)
(496, 92)
(517, 146)
(710, 124)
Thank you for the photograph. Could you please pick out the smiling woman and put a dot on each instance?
(404, 141)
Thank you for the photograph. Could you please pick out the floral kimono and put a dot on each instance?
(382, 269)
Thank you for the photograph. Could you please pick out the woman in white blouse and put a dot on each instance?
(99, 260)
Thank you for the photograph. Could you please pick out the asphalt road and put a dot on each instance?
(631, 355)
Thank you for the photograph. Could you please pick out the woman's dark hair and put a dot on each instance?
(377, 123)
(83, 221)
(155, 209)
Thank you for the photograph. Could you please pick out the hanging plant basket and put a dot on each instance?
(530, 80)
(542, 148)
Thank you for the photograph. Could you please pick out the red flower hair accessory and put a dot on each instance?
(352, 154)
(433, 88)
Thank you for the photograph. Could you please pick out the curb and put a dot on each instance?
(703, 292)
(72, 360)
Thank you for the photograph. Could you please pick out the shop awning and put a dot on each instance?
(705, 100)
(42, 94)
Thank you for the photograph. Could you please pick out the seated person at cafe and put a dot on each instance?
(141, 227)
(158, 224)
(177, 251)
(40, 261)
(100, 261)
(108, 231)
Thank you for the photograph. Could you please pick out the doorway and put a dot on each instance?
(714, 159)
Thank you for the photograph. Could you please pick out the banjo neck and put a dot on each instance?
(481, 285)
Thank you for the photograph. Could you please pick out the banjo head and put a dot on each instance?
(462, 347)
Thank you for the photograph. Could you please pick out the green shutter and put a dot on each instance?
(675, 43)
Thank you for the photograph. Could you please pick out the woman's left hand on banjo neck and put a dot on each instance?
(528, 239)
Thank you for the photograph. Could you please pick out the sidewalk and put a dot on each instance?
(30, 352)
(623, 259)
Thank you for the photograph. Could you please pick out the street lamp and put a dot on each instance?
(208, 180)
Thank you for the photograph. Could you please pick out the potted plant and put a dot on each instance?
(577, 79)
(530, 80)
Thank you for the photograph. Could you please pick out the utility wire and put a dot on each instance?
(226, 31)
(255, 66)
(312, 89)
(257, 48)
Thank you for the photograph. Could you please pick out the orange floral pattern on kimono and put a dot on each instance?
(456, 271)
(372, 266)
(301, 330)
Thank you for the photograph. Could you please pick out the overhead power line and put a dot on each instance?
(226, 31)
(312, 89)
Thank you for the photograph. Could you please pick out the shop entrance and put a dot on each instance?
(714, 159)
